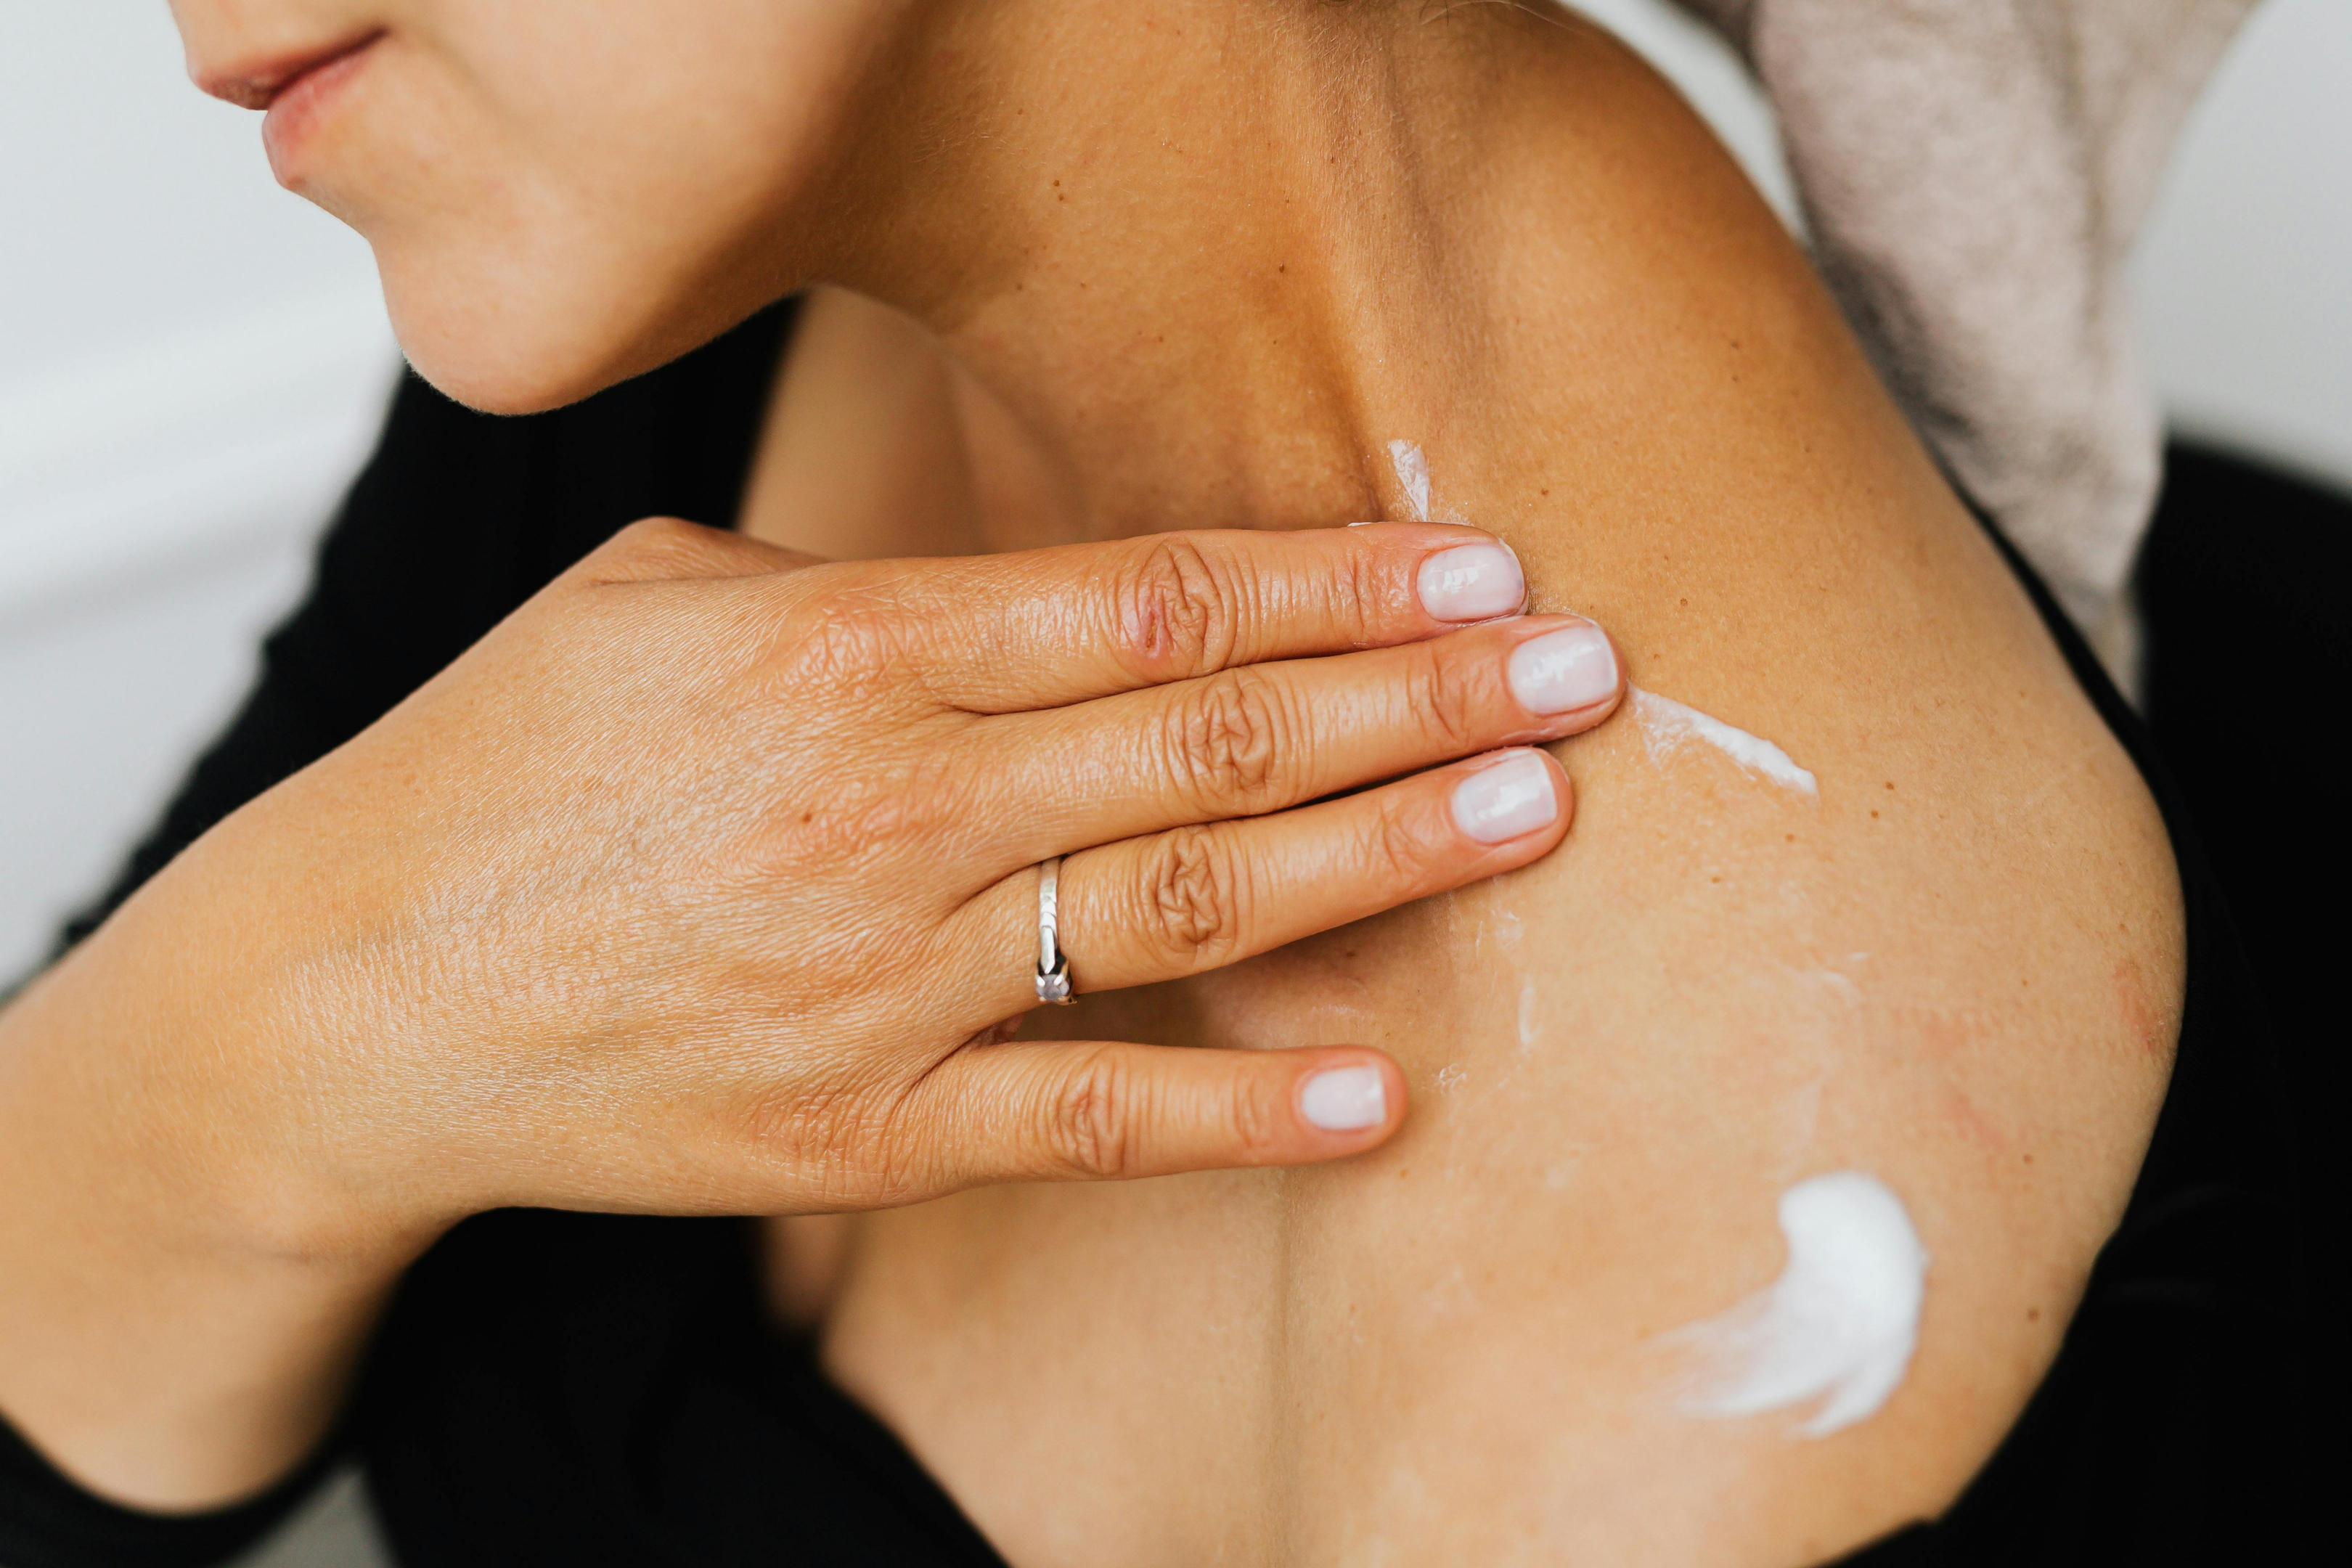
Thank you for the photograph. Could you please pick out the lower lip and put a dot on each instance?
(296, 114)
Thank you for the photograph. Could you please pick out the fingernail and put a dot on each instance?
(1572, 668)
(1510, 797)
(1472, 583)
(1344, 1100)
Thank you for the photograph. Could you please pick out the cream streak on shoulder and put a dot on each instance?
(1667, 726)
(1839, 1324)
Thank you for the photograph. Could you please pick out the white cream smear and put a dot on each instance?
(1839, 1326)
(1840, 1323)
(1412, 473)
(1667, 726)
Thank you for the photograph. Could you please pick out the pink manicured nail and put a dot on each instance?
(1472, 583)
(1344, 1100)
(1507, 798)
(1560, 672)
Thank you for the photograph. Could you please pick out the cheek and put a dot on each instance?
(552, 213)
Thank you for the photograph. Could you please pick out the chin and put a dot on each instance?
(526, 340)
(507, 373)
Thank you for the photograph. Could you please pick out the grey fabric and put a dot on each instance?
(1973, 174)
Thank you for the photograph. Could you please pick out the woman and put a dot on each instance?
(1885, 905)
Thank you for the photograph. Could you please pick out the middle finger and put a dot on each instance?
(1264, 737)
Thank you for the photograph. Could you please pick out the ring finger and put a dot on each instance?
(1199, 898)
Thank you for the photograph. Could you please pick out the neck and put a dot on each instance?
(1187, 244)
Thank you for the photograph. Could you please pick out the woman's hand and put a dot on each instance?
(705, 882)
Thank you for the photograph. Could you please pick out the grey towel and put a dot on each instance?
(1973, 174)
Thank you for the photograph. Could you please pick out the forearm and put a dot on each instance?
(180, 1305)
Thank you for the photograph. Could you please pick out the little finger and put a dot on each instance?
(1053, 1110)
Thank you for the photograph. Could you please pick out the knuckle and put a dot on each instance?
(918, 801)
(1445, 697)
(1256, 1120)
(1397, 845)
(897, 1165)
(1179, 615)
(1362, 596)
(845, 639)
(1193, 897)
(1224, 738)
(1089, 1119)
(654, 547)
(653, 533)
(851, 638)
(832, 1143)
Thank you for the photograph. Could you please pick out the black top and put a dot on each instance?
(591, 1389)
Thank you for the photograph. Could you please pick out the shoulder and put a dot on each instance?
(1949, 962)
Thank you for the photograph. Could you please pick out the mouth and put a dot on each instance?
(264, 84)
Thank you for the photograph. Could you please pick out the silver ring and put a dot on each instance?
(1052, 964)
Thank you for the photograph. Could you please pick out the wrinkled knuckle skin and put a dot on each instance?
(1259, 1123)
(1445, 695)
(1397, 847)
(1090, 1129)
(1360, 598)
(896, 1164)
(845, 640)
(1225, 741)
(918, 806)
(836, 1144)
(1192, 898)
(1180, 611)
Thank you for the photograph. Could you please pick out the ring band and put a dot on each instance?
(1053, 964)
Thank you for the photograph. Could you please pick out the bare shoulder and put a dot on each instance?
(1782, 1113)
(1763, 1136)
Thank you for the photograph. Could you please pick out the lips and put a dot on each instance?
(264, 84)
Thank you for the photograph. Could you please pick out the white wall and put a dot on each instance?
(2246, 277)
(191, 364)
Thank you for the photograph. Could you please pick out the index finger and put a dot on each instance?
(1047, 627)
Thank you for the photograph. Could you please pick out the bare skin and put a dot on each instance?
(1960, 970)
(1200, 260)
(588, 920)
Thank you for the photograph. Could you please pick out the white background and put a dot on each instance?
(192, 362)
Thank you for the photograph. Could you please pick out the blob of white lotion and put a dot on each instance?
(1667, 726)
(1412, 473)
(1838, 1325)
